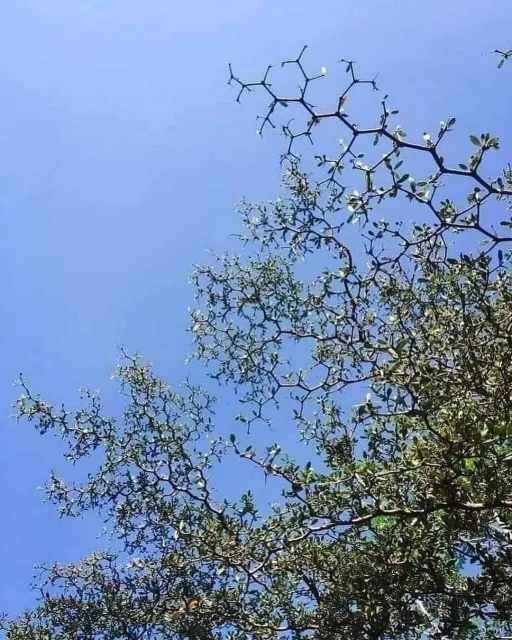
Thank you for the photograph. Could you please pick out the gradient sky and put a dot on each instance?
(122, 156)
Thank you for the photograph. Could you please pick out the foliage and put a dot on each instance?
(402, 527)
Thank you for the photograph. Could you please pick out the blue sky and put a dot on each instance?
(122, 156)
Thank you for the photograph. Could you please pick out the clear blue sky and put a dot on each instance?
(122, 155)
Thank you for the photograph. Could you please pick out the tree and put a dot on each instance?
(402, 525)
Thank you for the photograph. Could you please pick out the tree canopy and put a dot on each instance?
(388, 346)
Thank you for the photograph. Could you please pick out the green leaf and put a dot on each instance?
(469, 464)
(401, 344)
(379, 522)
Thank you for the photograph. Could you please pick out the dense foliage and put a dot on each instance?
(389, 348)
